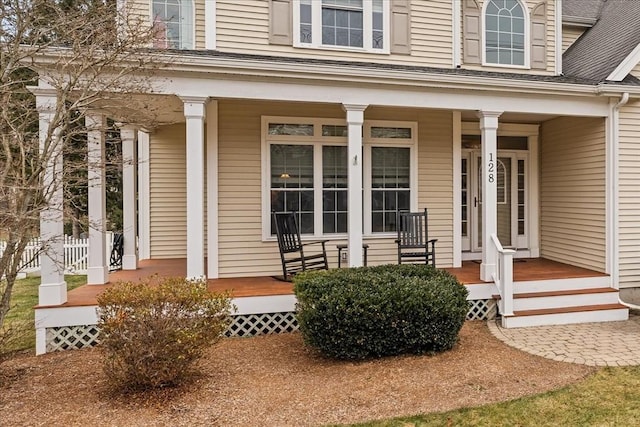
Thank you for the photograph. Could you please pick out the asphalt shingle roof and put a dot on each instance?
(604, 46)
(582, 9)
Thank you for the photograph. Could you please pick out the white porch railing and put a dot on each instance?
(503, 277)
(76, 254)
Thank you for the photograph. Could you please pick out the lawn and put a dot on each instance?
(23, 299)
(608, 398)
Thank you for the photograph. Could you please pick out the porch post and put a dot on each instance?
(355, 119)
(489, 132)
(194, 112)
(128, 135)
(53, 288)
(97, 269)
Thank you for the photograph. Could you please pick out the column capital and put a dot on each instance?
(488, 119)
(46, 98)
(127, 126)
(194, 106)
(355, 113)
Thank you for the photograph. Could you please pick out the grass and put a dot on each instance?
(608, 398)
(21, 316)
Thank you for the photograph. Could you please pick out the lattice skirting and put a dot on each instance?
(482, 309)
(243, 325)
(72, 337)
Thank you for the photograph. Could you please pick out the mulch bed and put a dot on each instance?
(275, 381)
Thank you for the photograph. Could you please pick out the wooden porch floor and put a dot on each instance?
(469, 274)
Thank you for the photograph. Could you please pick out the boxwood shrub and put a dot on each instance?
(372, 312)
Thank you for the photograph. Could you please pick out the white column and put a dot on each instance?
(128, 135)
(144, 190)
(489, 132)
(355, 119)
(194, 112)
(97, 269)
(212, 189)
(457, 187)
(53, 289)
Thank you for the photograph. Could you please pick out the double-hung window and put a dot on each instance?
(173, 22)
(342, 24)
(306, 171)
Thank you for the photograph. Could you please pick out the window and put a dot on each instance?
(504, 30)
(357, 24)
(173, 22)
(306, 171)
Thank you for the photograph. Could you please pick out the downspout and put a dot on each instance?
(612, 192)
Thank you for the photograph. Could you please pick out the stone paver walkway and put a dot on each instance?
(594, 344)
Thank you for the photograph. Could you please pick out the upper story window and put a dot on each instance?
(356, 24)
(504, 30)
(174, 24)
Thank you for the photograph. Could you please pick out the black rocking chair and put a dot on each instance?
(115, 262)
(292, 250)
(414, 245)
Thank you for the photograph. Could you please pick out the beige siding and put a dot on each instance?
(629, 185)
(168, 200)
(199, 24)
(551, 57)
(243, 26)
(570, 35)
(572, 191)
(242, 251)
(636, 71)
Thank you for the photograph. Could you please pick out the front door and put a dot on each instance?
(511, 204)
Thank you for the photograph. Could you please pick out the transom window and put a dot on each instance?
(504, 28)
(173, 24)
(359, 24)
(307, 173)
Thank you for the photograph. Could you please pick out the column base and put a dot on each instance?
(487, 272)
(129, 262)
(97, 275)
(52, 293)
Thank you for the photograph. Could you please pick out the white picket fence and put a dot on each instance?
(76, 254)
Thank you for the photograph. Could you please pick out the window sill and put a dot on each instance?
(342, 49)
(507, 66)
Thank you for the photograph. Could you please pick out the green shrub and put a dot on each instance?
(151, 334)
(380, 311)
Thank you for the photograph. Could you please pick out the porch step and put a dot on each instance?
(566, 284)
(563, 298)
(567, 315)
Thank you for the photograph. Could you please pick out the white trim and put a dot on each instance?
(612, 237)
(558, 31)
(626, 66)
(527, 39)
(456, 11)
(212, 190)
(144, 195)
(380, 93)
(210, 24)
(457, 187)
(533, 194)
(316, 29)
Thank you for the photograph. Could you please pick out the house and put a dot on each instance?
(515, 122)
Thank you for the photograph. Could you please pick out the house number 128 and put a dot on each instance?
(491, 168)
